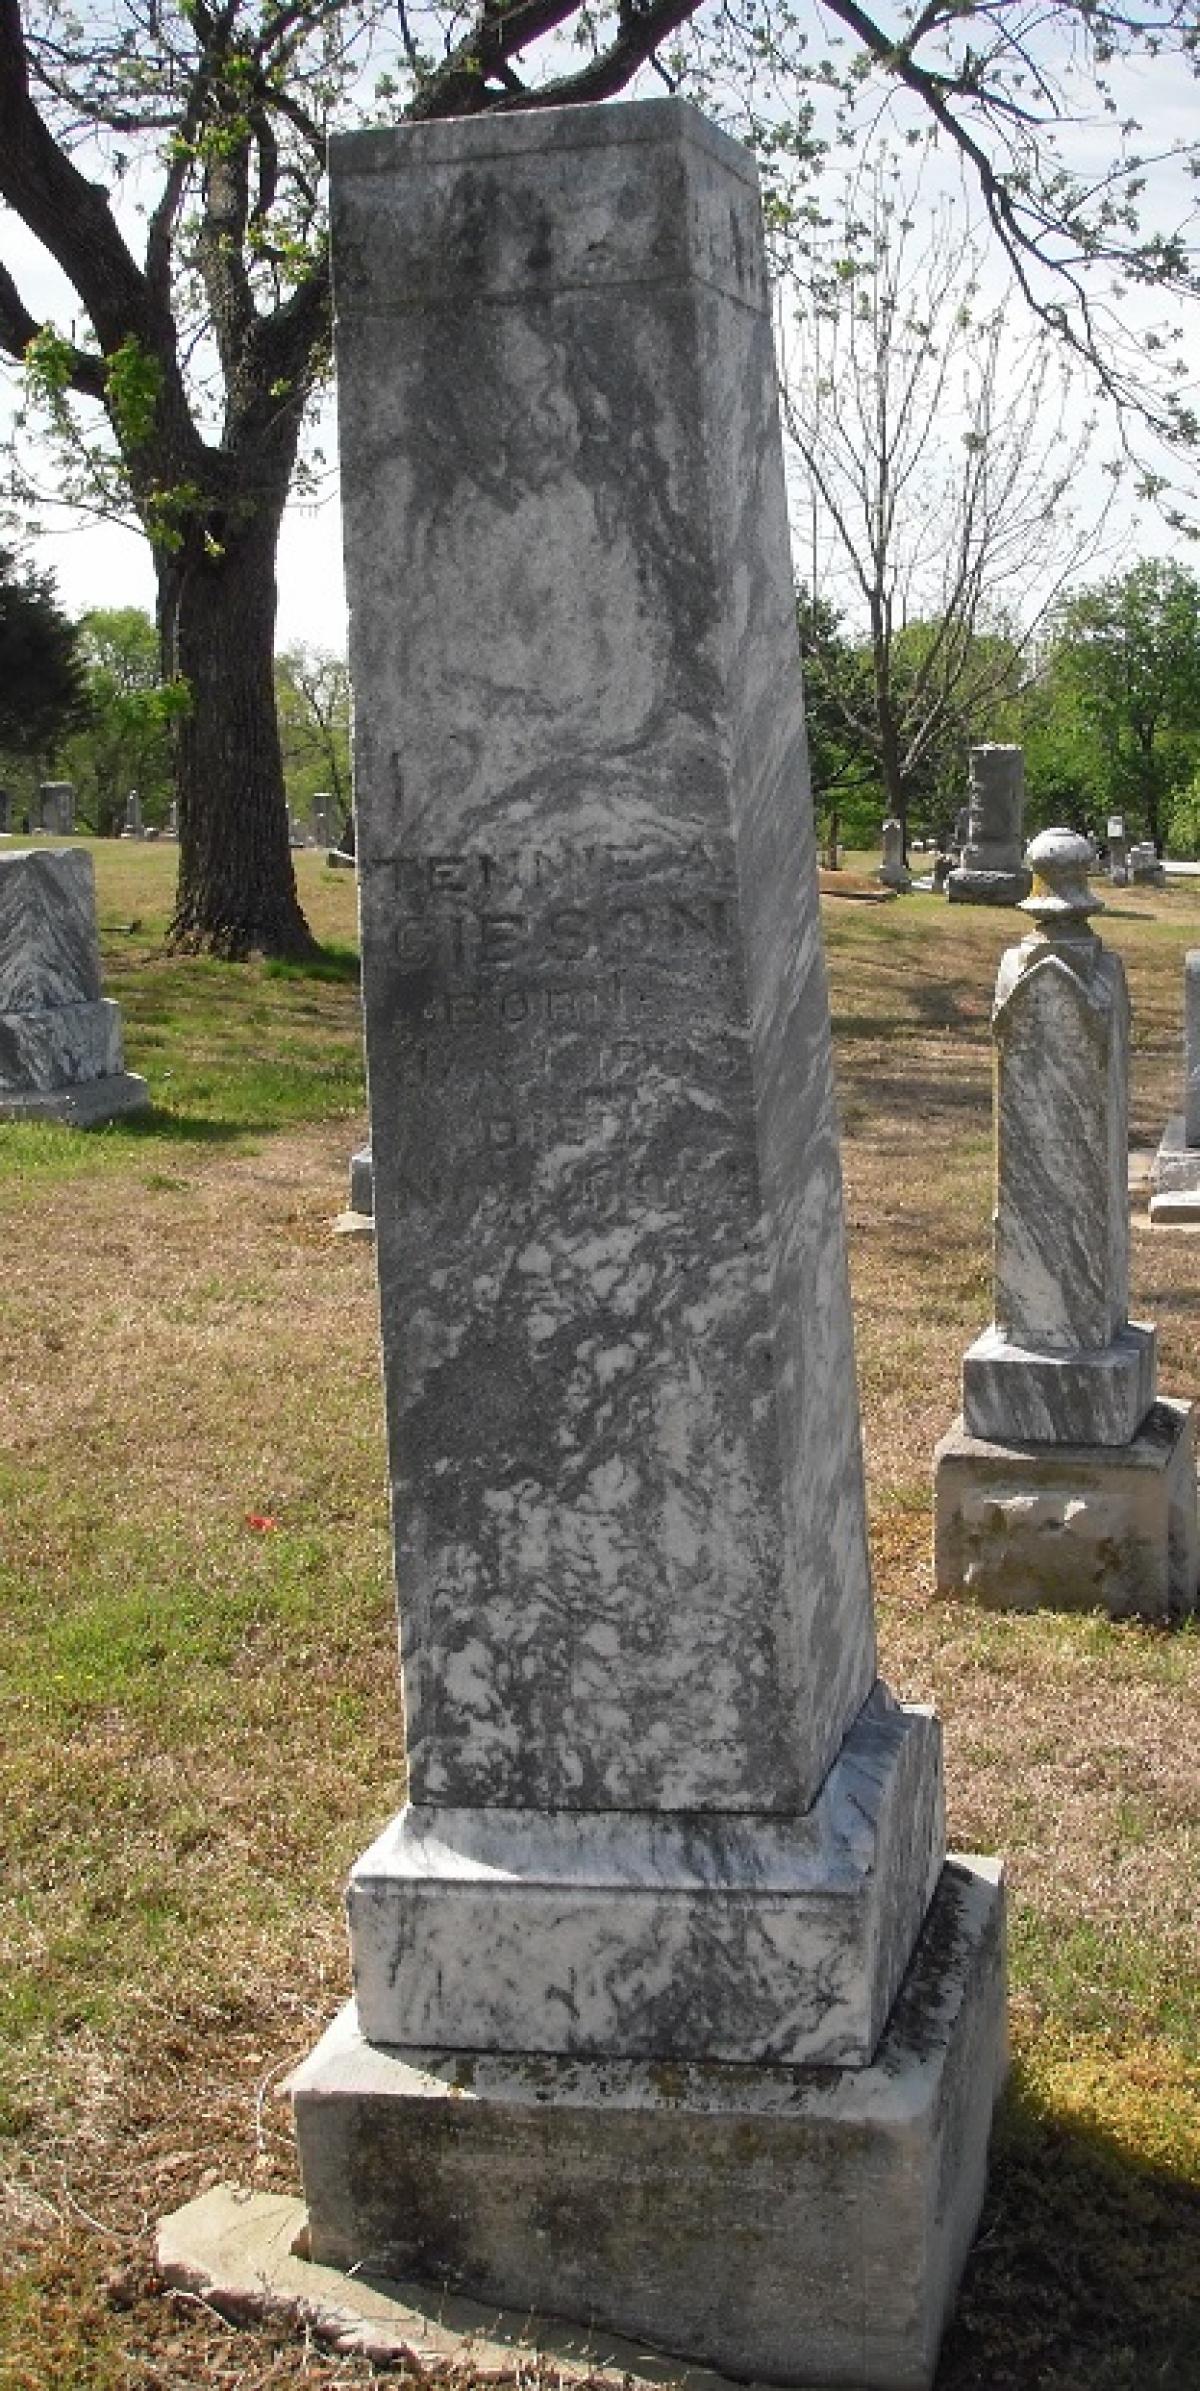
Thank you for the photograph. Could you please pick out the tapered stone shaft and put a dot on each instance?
(624, 1430)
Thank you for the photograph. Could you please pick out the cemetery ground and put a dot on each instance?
(198, 1715)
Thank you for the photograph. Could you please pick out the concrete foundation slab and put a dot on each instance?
(799, 2225)
(1071, 1527)
(355, 1224)
(243, 2253)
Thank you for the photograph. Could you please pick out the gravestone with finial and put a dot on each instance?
(1067, 1480)
(1175, 1176)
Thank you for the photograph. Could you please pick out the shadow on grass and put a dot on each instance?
(337, 963)
(1084, 2275)
(195, 1129)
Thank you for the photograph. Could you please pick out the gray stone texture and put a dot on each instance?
(60, 1040)
(629, 1519)
(49, 943)
(1032, 1396)
(240, 2252)
(990, 870)
(1176, 1169)
(134, 826)
(1145, 866)
(630, 1934)
(1065, 1482)
(1176, 1166)
(893, 871)
(57, 807)
(1061, 1028)
(794, 2225)
(1191, 1041)
(362, 1182)
(661, 1814)
(1071, 1527)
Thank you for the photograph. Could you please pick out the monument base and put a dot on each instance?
(362, 1182)
(657, 1935)
(1015, 1394)
(1176, 1207)
(798, 2226)
(1176, 1166)
(1023, 1527)
(83, 1106)
(965, 887)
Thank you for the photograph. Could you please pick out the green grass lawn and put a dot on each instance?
(200, 1729)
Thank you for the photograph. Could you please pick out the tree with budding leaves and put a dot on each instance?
(168, 155)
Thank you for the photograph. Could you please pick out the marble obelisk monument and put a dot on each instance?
(1065, 1481)
(662, 1815)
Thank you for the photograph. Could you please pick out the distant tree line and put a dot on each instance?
(1106, 708)
(85, 702)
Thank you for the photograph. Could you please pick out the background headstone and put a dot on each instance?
(1111, 1519)
(57, 808)
(1175, 1177)
(893, 871)
(6, 812)
(60, 1040)
(133, 827)
(990, 870)
(659, 1808)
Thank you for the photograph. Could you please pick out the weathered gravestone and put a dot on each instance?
(1065, 1481)
(6, 812)
(358, 1220)
(56, 805)
(1118, 850)
(1176, 1173)
(990, 870)
(893, 871)
(324, 820)
(653, 2028)
(133, 825)
(60, 1040)
(1145, 864)
(362, 1181)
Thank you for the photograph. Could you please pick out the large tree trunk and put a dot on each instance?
(237, 890)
